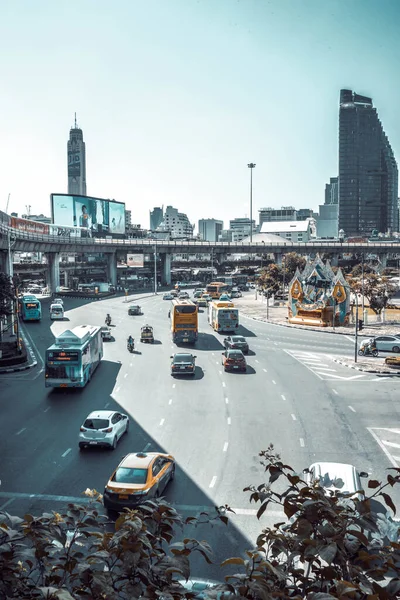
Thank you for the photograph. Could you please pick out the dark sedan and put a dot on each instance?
(183, 364)
(234, 360)
(236, 342)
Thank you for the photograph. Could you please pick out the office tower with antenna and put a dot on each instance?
(76, 162)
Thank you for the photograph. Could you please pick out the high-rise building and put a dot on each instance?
(332, 191)
(241, 227)
(76, 162)
(156, 217)
(176, 223)
(286, 213)
(368, 176)
(210, 229)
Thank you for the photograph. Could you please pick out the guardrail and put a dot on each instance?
(264, 247)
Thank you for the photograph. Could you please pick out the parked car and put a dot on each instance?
(134, 309)
(234, 360)
(236, 342)
(103, 428)
(387, 343)
(336, 477)
(183, 363)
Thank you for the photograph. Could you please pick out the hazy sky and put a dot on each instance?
(175, 97)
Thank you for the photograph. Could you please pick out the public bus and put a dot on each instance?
(74, 356)
(223, 317)
(184, 321)
(30, 308)
(216, 289)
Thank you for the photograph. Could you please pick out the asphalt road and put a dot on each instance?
(293, 395)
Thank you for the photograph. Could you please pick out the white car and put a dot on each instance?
(336, 477)
(58, 301)
(183, 295)
(106, 333)
(387, 343)
(103, 428)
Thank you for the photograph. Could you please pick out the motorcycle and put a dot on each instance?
(108, 321)
(130, 346)
(368, 351)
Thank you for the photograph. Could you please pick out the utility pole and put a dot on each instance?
(155, 266)
(251, 167)
(356, 330)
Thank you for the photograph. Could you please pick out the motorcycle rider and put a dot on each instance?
(108, 319)
(131, 342)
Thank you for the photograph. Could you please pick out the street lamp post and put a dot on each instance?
(251, 167)
(155, 266)
(356, 330)
(362, 284)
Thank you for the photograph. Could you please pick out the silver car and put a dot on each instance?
(103, 428)
(388, 343)
(336, 477)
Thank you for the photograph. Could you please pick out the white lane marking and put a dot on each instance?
(162, 422)
(274, 382)
(390, 444)
(130, 364)
(213, 480)
(265, 370)
(147, 446)
(170, 401)
(335, 392)
(352, 340)
(226, 400)
(173, 385)
(213, 353)
(394, 463)
(117, 390)
(354, 410)
(46, 409)
(395, 458)
(126, 375)
(107, 405)
(257, 361)
(229, 420)
(190, 508)
(323, 370)
(223, 384)
(283, 397)
(302, 442)
(225, 448)
(217, 363)
(293, 417)
(21, 431)
(3, 506)
(66, 452)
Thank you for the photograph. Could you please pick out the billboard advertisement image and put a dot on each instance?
(93, 214)
(135, 260)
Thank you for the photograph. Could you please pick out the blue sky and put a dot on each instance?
(175, 97)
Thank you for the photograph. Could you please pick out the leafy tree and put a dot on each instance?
(270, 278)
(378, 290)
(331, 545)
(291, 263)
(6, 295)
(358, 269)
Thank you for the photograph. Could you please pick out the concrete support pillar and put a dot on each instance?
(166, 269)
(278, 258)
(112, 268)
(383, 258)
(334, 260)
(6, 264)
(65, 274)
(53, 261)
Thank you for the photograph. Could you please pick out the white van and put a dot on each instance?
(56, 311)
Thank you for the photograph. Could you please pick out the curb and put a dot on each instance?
(388, 374)
(24, 367)
(16, 369)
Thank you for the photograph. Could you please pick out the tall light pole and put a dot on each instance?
(251, 167)
(155, 266)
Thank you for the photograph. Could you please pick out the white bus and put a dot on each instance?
(223, 316)
(74, 356)
(56, 312)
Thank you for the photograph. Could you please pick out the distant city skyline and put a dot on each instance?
(182, 127)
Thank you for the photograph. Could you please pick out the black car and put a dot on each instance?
(183, 364)
(134, 309)
(236, 342)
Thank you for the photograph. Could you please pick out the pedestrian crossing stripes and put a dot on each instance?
(322, 365)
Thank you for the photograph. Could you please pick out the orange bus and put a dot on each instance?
(216, 289)
(184, 321)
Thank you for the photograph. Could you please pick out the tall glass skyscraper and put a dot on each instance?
(76, 162)
(368, 175)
